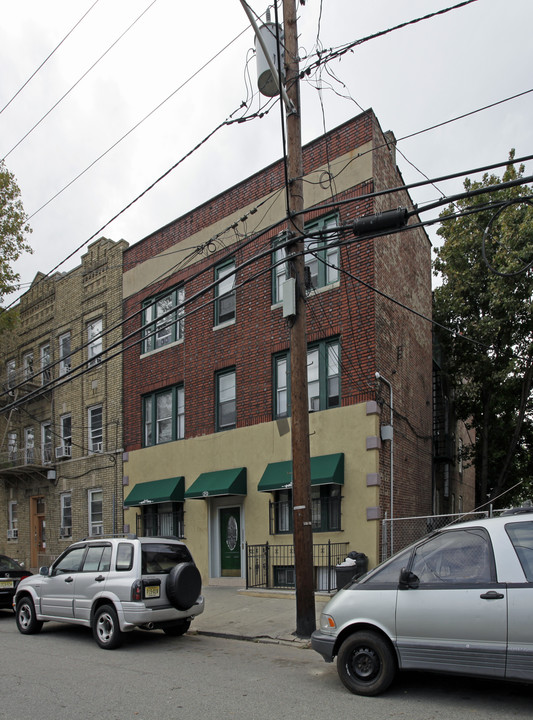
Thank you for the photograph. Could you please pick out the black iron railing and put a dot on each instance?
(272, 566)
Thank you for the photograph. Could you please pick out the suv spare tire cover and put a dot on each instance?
(184, 584)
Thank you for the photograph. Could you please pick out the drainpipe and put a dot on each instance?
(387, 432)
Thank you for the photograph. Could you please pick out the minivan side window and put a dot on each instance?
(521, 535)
(455, 557)
(124, 556)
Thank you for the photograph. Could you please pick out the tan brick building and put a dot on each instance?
(61, 410)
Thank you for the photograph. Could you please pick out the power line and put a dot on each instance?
(49, 56)
(80, 79)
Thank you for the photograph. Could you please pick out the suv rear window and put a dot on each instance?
(160, 557)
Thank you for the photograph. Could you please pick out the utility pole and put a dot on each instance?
(301, 463)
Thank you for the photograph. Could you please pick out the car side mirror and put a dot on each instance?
(43, 571)
(408, 580)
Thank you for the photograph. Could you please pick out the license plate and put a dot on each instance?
(152, 591)
(6, 584)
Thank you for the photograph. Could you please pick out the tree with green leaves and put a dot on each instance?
(485, 300)
(14, 228)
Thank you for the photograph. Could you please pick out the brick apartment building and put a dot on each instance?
(206, 381)
(61, 410)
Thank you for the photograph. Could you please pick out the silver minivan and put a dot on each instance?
(459, 601)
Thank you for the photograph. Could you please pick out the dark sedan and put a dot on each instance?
(11, 573)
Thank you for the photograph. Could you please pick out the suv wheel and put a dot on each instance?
(177, 629)
(184, 584)
(106, 629)
(27, 623)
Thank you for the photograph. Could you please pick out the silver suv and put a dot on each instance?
(114, 585)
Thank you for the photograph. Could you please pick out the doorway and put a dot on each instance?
(37, 529)
(230, 541)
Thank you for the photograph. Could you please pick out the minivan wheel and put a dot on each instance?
(366, 664)
(106, 629)
(27, 622)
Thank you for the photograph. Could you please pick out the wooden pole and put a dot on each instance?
(301, 464)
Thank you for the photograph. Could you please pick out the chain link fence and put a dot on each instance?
(397, 533)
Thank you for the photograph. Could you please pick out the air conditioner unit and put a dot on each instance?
(64, 451)
(65, 532)
(315, 404)
(12, 534)
(97, 447)
(97, 530)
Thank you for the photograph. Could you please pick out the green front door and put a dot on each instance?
(230, 542)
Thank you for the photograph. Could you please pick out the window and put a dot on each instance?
(98, 559)
(46, 441)
(321, 259)
(225, 293)
(325, 510)
(456, 557)
(521, 535)
(323, 378)
(226, 400)
(70, 562)
(11, 373)
(95, 429)
(96, 521)
(46, 371)
(12, 446)
(66, 516)
(161, 519)
(280, 270)
(94, 339)
(66, 430)
(64, 354)
(27, 365)
(164, 416)
(12, 521)
(158, 333)
(29, 445)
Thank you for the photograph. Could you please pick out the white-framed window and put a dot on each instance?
(11, 373)
(12, 446)
(65, 531)
(12, 521)
(95, 427)
(226, 400)
(46, 442)
(225, 293)
(94, 339)
(64, 354)
(46, 370)
(95, 508)
(158, 333)
(27, 365)
(29, 445)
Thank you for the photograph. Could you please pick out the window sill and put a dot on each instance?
(223, 325)
(160, 349)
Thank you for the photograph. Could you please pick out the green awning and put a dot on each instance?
(325, 470)
(157, 491)
(218, 482)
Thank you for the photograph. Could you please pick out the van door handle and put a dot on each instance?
(99, 578)
(69, 579)
(492, 595)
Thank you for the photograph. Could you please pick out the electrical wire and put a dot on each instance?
(34, 73)
(79, 80)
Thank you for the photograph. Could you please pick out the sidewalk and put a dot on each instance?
(255, 615)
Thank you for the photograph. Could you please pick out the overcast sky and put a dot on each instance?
(195, 60)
